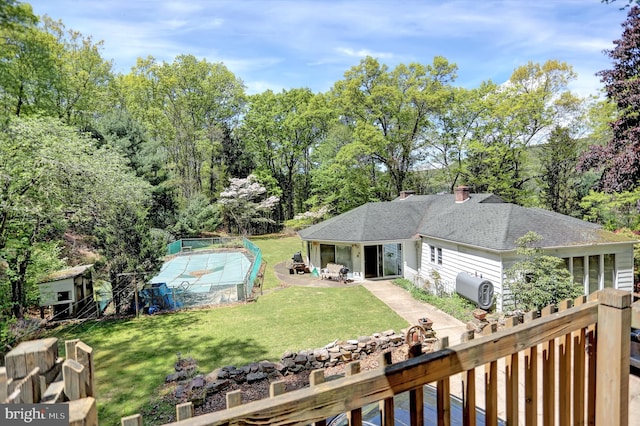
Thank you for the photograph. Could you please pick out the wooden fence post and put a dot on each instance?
(612, 380)
(135, 420)
(355, 415)
(4, 384)
(84, 355)
(315, 378)
(184, 411)
(74, 376)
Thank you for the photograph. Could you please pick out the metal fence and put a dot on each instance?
(187, 244)
(187, 294)
(255, 267)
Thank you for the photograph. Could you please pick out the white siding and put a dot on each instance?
(49, 292)
(456, 259)
(624, 270)
(411, 265)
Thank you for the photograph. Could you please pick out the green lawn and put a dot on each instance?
(276, 250)
(132, 357)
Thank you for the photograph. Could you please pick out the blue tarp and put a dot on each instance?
(157, 297)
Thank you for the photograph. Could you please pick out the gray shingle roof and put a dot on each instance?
(484, 220)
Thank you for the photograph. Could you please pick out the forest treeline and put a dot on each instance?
(106, 168)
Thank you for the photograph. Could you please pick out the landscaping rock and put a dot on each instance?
(174, 377)
(254, 377)
(217, 386)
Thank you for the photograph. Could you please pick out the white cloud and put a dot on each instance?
(309, 42)
(362, 53)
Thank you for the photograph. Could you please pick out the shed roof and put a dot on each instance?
(483, 220)
(66, 273)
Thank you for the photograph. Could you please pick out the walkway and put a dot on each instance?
(411, 309)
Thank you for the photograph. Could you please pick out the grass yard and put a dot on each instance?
(132, 357)
(276, 250)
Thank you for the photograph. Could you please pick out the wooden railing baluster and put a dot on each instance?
(387, 416)
(531, 378)
(511, 380)
(416, 395)
(354, 416)
(491, 384)
(564, 373)
(443, 392)
(315, 378)
(579, 338)
(548, 375)
(184, 411)
(468, 390)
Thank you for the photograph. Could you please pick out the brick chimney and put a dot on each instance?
(406, 194)
(462, 193)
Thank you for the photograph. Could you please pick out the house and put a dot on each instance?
(431, 239)
(69, 291)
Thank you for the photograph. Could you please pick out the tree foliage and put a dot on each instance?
(391, 112)
(619, 159)
(282, 129)
(53, 179)
(515, 117)
(560, 179)
(245, 204)
(538, 280)
(189, 105)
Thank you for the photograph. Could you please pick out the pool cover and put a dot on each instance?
(204, 278)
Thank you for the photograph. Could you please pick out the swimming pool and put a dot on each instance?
(205, 277)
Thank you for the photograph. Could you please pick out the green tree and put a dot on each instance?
(82, 77)
(198, 216)
(16, 14)
(343, 177)
(613, 210)
(392, 111)
(54, 179)
(27, 68)
(535, 99)
(188, 105)
(457, 126)
(282, 129)
(559, 177)
(619, 159)
(537, 280)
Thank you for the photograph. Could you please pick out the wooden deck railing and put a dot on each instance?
(552, 367)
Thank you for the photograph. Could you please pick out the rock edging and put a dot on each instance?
(196, 389)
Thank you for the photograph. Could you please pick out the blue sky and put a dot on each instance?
(283, 44)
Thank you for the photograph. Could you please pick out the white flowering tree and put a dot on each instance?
(245, 203)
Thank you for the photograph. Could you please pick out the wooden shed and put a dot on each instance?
(68, 291)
